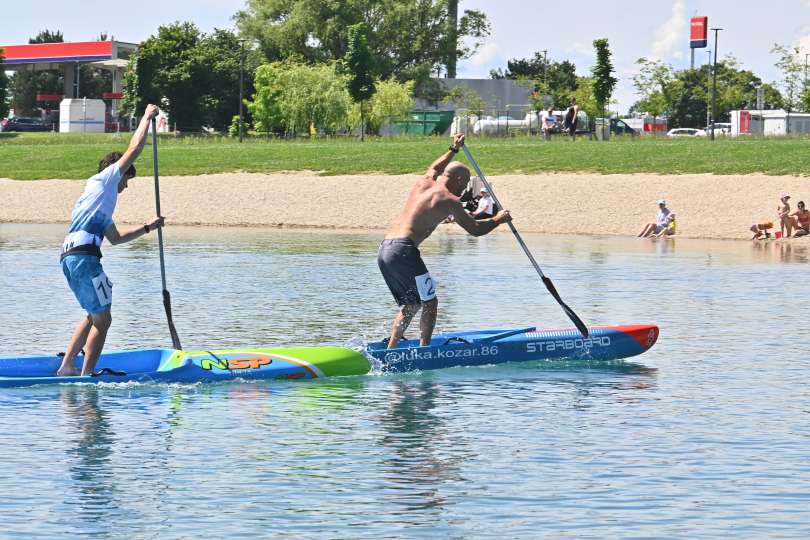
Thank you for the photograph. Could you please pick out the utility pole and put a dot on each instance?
(452, 39)
(708, 103)
(714, 82)
(545, 68)
(241, 81)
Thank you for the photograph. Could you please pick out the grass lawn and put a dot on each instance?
(32, 156)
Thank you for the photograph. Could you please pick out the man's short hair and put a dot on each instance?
(111, 158)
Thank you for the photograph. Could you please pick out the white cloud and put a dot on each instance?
(672, 34)
(485, 54)
(582, 49)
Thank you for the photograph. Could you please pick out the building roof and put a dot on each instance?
(77, 51)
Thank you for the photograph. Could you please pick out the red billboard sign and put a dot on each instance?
(699, 29)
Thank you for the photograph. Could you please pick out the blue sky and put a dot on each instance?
(634, 28)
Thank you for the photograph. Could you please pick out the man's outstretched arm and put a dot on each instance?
(438, 166)
(138, 139)
(477, 227)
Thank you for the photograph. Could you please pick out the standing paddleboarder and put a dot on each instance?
(432, 198)
(90, 223)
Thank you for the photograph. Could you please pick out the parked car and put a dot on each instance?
(620, 127)
(22, 123)
(686, 132)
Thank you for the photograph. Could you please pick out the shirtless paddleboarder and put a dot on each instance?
(432, 199)
(91, 222)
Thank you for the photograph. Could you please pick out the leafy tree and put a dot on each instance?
(464, 96)
(391, 100)
(290, 97)
(603, 80)
(402, 34)
(685, 94)
(653, 85)
(3, 88)
(26, 84)
(359, 64)
(193, 76)
(557, 79)
(791, 82)
(586, 97)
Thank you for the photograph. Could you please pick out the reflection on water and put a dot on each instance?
(670, 444)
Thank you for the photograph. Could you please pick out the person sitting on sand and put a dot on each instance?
(431, 199)
(783, 211)
(486, 206)
(90, 223)
(661, 221)
(801, 220)
(670, 229)
(761, 229)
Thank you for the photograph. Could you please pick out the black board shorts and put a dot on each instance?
(404, 272)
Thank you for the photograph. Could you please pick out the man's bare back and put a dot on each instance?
(432, 198)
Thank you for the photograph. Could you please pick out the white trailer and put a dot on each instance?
(769, 122)
(82, 116)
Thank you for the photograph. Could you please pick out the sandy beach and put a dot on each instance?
(707, 206)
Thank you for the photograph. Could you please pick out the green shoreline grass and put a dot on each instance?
(35, 156)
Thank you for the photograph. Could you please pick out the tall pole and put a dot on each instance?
(241, 81)
(452, 39)
(708, 104)
(714, 83)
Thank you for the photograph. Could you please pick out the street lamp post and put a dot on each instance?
(714, 82)
(241, 81)
(708, 103)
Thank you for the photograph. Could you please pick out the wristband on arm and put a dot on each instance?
(146, 228)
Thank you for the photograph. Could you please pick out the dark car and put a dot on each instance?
(619, 127)
(21, 123)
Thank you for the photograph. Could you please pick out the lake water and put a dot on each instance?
(706, 435)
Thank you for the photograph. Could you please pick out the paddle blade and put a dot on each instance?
(583, 329)
(167, 305)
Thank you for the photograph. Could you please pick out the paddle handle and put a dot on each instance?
(157, 201)
(167, 300)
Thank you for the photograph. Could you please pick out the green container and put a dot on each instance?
(426, 122)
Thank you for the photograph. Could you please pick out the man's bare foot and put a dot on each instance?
(68, 371)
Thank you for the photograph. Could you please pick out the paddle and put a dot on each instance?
(549, 285)
(167, 299)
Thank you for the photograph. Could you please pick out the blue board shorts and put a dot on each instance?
(89, 283)
(404, 272)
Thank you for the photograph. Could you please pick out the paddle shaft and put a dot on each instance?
(167, 300)
(546, 281)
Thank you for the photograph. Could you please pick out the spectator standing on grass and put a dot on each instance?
(661, 221)
(549, 123)
(571, 119)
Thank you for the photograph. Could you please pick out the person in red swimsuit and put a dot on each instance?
(801, 220)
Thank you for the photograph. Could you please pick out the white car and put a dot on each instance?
(686, 132)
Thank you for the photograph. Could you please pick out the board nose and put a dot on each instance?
(645, 334)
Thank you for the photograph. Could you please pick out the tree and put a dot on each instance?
(3, 88)
(193, 76)
(603, 80)
(402, 34)
(391, 100)
(652, 85)
(791, 82)
(290, 97)
(360, 66)
(25, 84)
(557, 79)
(685, 94)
